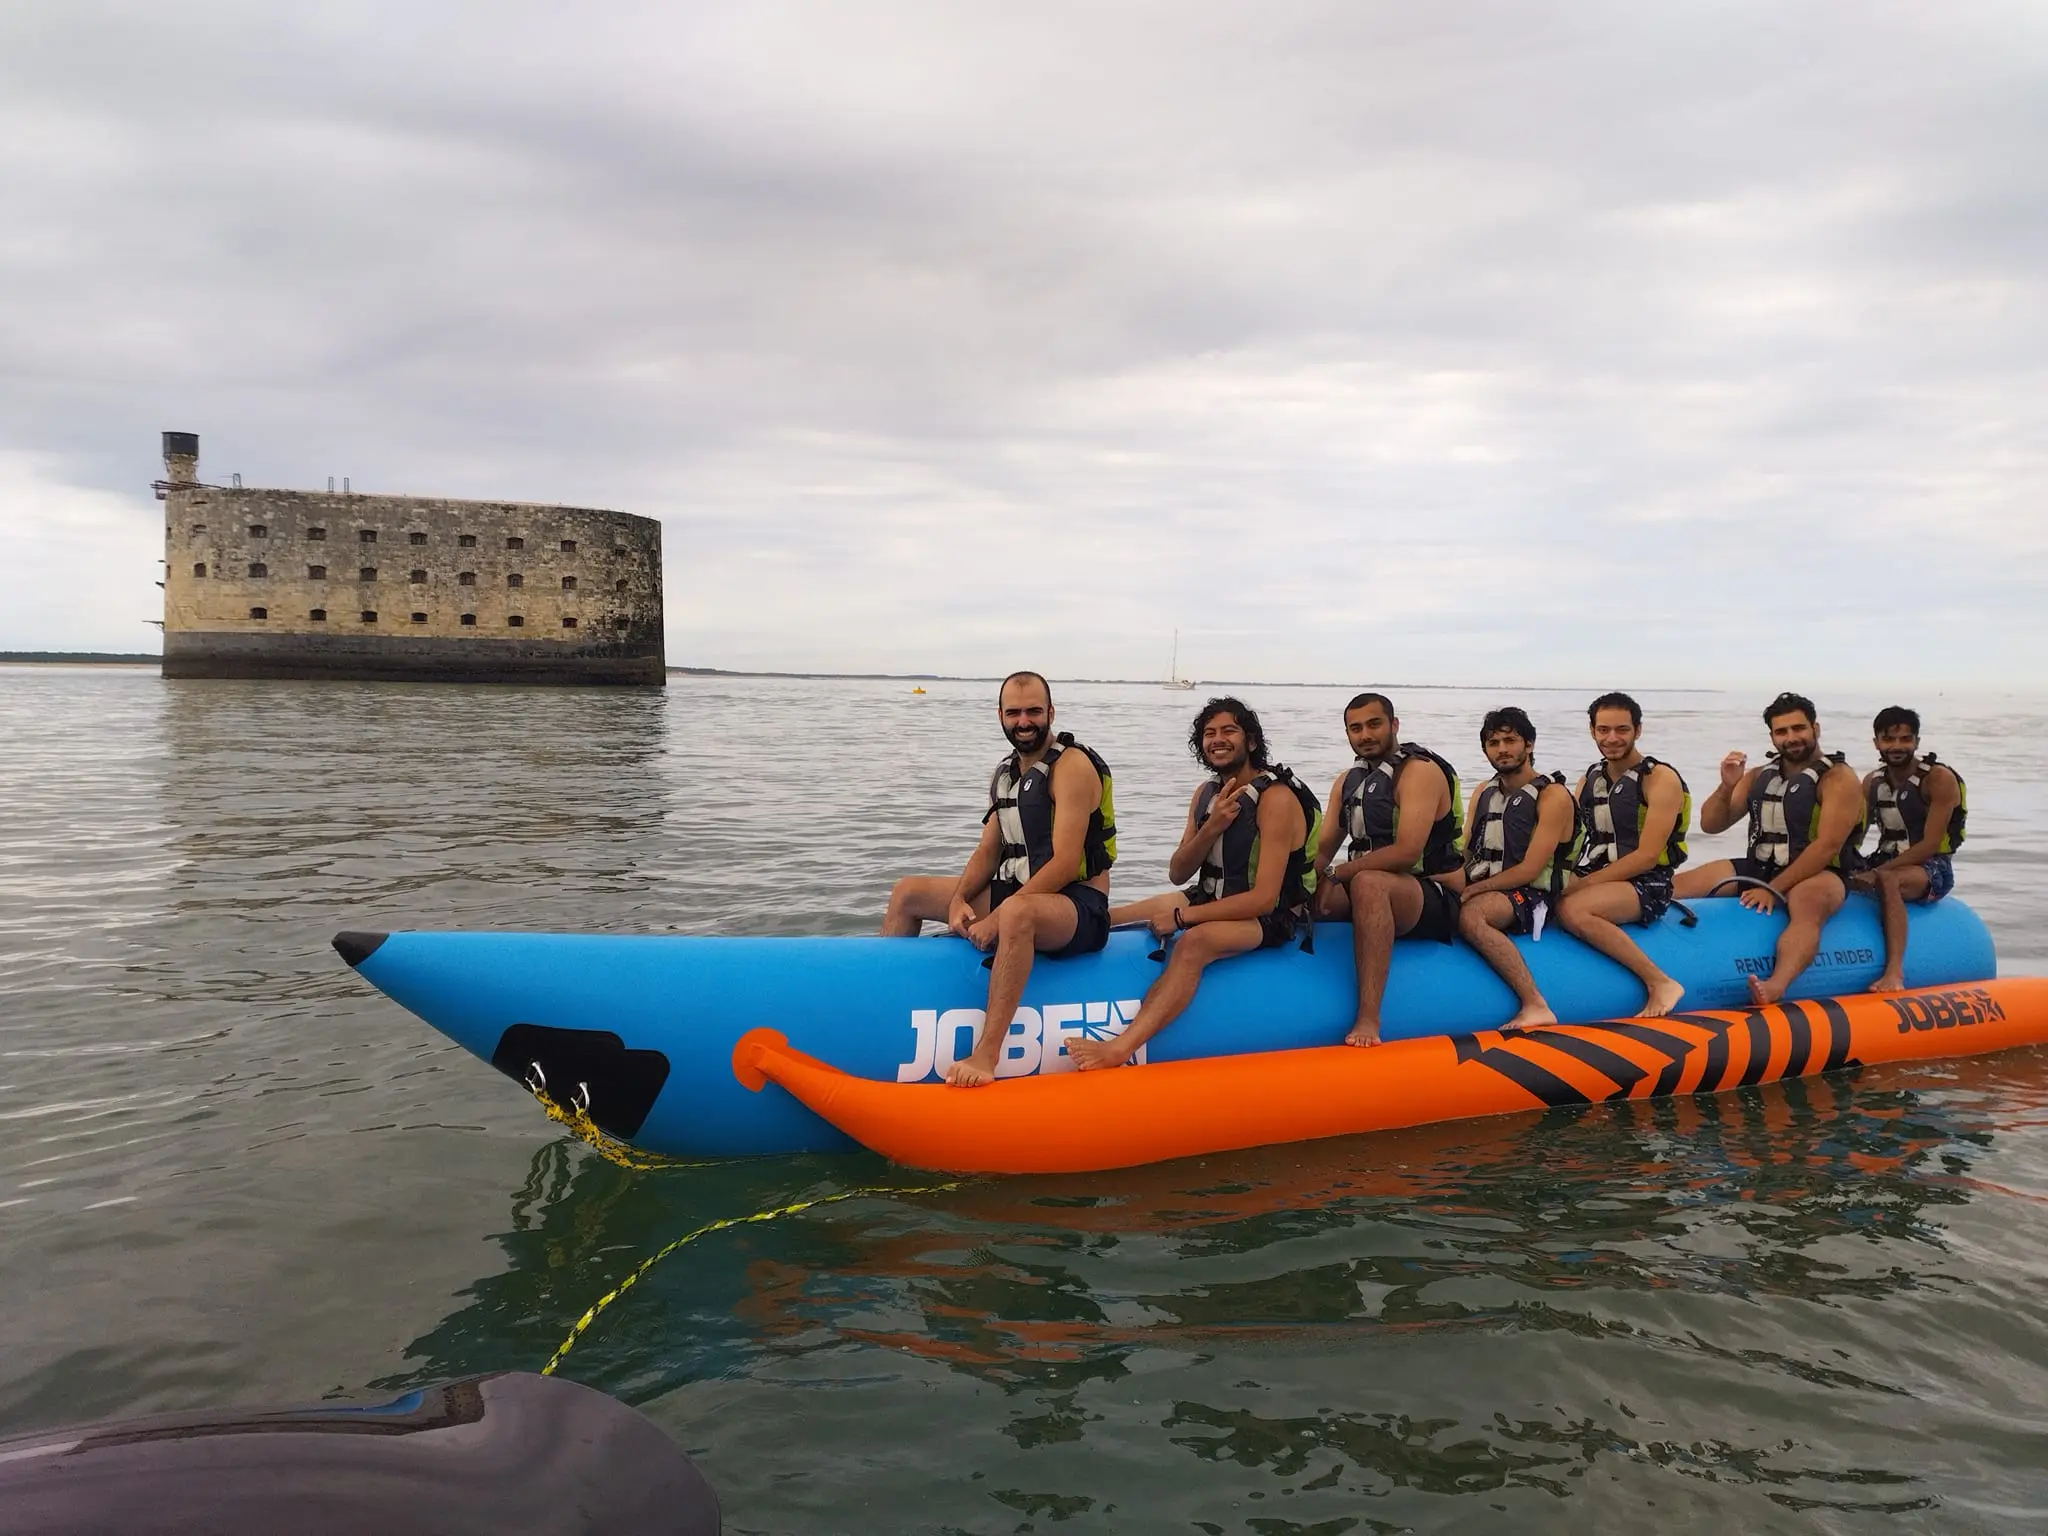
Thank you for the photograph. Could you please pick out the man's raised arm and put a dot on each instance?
(1195, 842)
(1281, 826)
(1729, 802)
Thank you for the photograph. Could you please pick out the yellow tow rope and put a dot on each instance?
(722, 1224)
(578, 1123)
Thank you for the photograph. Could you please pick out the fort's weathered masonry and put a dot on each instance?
(258, 583)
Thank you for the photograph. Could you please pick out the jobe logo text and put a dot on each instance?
(1037, 1041)
(1945, 1010)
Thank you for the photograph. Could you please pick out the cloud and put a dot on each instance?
(1475, 343)
(82, 568)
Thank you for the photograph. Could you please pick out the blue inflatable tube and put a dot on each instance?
(642, 1029)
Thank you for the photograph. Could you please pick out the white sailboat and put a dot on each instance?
(1173, 677)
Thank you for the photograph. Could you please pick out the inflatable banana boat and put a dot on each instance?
(641, 1031)
(1083, 1122)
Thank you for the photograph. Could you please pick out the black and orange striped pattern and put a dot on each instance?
(1073, 1122)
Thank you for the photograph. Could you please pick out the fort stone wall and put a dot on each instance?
(281, 583)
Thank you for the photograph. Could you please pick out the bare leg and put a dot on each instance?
(1808, 905)
(1144, 908)
(1383, 907)
(1484, 921)
(1896, 887)
(1024, 925)
(1167, 997)
(1593, 914)
(918, 899)
(1704, 880)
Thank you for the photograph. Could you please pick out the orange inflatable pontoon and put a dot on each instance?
(1078, 1122)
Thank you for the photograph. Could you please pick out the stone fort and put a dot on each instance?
(310, 584)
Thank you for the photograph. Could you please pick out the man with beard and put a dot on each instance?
(1398, 804)
(1805, 812)
(1635, 811)
(1245, 845)
(1037, 882)
(1518, 840)
(1919, 806)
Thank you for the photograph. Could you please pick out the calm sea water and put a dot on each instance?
(231, 1173)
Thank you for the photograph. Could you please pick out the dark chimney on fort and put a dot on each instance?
(181, 458)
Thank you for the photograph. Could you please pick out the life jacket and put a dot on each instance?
(1022, 807)
(1504, 822)
(1900, 813)
(1231, 865)
(1613, 813)
(1372, 813)
(1784, 815)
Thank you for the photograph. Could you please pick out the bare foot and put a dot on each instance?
(971, 1071)
(1663, 996)
(1890, 981)
(1764, 993)
(1529, 1016)
(1364, 1032)
(1090, 1055)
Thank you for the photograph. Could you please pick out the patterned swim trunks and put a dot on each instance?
(1653, 893)
(1941, 878)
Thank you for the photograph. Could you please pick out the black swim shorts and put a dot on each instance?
(1748, 869)
(1439, 919)
(1275, 928)
(1091, 922)
(1528, 904)
(1280, 926)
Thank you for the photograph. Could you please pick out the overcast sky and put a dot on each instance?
(1594, 344)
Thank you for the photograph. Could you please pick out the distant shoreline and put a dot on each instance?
(83, 658)
(1144, 682)
(145, 658)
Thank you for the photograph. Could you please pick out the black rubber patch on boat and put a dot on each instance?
(618, 1086)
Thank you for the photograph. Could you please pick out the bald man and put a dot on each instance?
(1037, 882)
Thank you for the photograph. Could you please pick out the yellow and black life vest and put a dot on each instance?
(1612, 813)
(1372, 811)
(1504, 821)
(1784, 816)
(1900, 811)
(1231, 865)
(1022, 807)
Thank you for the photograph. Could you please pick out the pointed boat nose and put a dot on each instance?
(355, 948)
